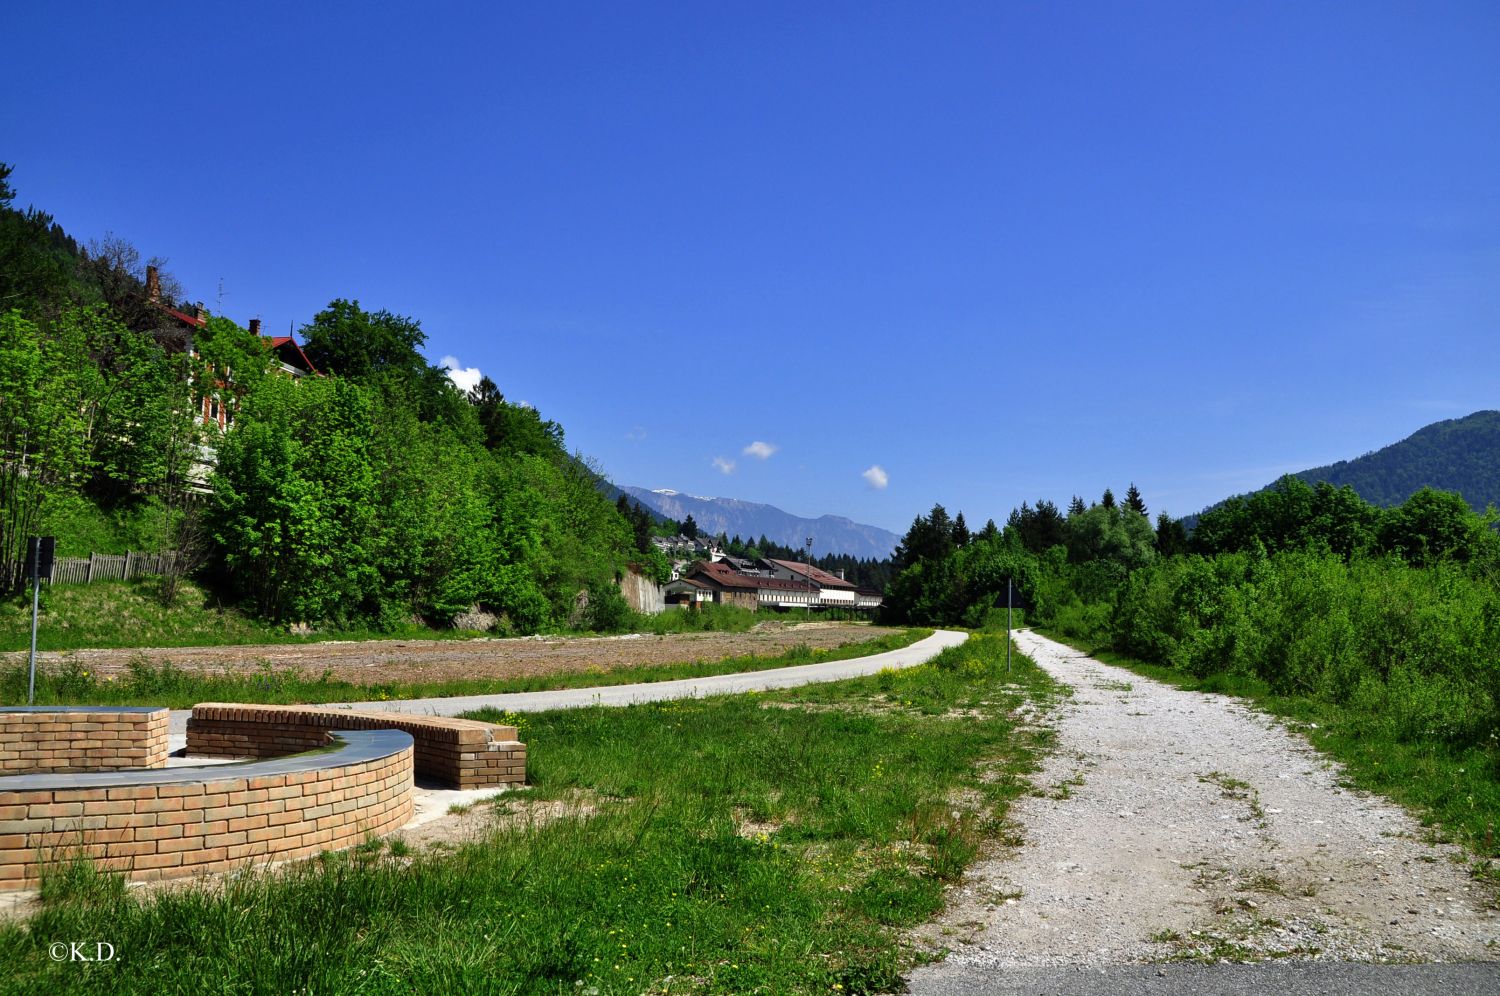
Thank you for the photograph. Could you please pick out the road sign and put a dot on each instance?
(40, 553)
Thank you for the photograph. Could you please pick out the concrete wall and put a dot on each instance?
(643, 594)
(81, 738)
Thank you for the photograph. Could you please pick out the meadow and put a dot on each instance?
(777, 842)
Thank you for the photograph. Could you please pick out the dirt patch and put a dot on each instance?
(376, 661)
(1173, 825)
(505, 811)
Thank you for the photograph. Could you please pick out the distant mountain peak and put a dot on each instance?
(751, 520)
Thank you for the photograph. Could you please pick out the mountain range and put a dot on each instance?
(751, 520)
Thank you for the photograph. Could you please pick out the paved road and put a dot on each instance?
(1296, 978)
(659, 691)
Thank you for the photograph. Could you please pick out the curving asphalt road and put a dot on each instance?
(658, 691)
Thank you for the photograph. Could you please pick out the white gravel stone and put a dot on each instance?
(1198, 814)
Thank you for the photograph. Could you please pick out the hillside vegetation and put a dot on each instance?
(372, 493)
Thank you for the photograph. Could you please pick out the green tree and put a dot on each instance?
(45, 386)
(294, 508)
(1171, 536)
(961, 534)
(1433, 526)
(513, 428)
(1133, 500)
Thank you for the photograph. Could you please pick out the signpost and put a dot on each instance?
(1013, 600)
(41, 550)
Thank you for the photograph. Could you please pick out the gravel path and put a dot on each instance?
(654, 691)
(1171, 822)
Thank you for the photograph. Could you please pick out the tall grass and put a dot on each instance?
(758, 843)
(145, 682)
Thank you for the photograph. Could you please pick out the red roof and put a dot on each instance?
(817, 576)
(279, 341)
(186, 319)
(727, 577)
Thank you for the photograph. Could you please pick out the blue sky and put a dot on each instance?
(998, 251)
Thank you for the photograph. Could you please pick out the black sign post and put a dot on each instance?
(1013, 600)
(42, 550)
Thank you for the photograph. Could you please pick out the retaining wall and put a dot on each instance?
(81, 738)
(462, 753)
(185, 821)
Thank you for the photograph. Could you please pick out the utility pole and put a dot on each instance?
(1009, 598)
(812, 587)
(36, 601)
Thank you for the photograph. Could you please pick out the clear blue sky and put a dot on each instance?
(998, 250)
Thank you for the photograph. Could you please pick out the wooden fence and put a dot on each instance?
(110, 566)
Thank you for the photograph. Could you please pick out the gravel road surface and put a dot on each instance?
(1173, 823)
(658, 691)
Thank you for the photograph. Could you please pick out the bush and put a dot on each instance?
(1417, 647)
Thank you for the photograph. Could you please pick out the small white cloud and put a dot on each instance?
(760, 450)
(523, 403)
(636, 433)
(464, 378)
(723, 466)
(876, 477)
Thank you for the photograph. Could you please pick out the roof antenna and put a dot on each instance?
(219, 305)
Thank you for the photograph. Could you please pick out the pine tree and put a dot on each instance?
(961, 534)
(1075, 507)
(1133, 499)
(689, 527)
(1108, 501)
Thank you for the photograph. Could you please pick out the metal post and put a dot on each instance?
(36, 601)
(1009, 599)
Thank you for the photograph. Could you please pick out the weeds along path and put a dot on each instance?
(1177, 825)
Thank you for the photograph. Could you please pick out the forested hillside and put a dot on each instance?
(1460, 454)
(368, 493)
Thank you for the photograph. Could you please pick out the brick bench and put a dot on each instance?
(172, 822)
(462, 753)
(81, 738)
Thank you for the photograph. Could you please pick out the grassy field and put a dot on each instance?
(757, 843)
(1455, 791)
(110, 614)
(129, 614)
(71, 683)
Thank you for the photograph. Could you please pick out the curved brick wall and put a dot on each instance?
(462, 753)
(81, 738)
(183, 821)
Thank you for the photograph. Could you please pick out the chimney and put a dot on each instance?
(153, 285)
(840, 573)
(255, 326)
(200, 312)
